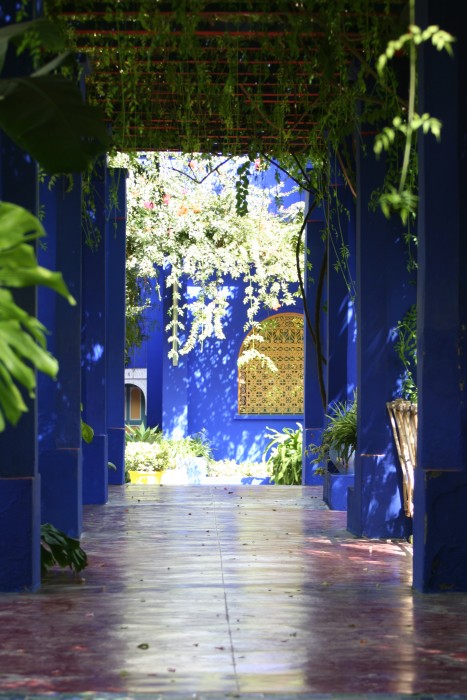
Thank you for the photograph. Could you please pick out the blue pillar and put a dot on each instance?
(115, 342)
(19, 478)
(313, 417)
(93, 343)
(341, 331)
(440, 500)
(384, 294)
(59, 401)
(155, 362)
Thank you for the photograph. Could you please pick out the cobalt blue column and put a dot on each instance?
(440, 499)
(384, 294)
(115, 343)
(155, 361)
(19, 478)
(60, 459)
(93, 343)
(341, 331)
(313, 417)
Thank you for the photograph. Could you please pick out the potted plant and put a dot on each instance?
(334, 455)
(145, 462)
(338, 439)
(285, 455)
(151, 458)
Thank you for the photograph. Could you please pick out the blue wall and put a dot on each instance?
(212, 390)
(200, 392)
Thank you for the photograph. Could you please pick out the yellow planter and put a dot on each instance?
(145, 477)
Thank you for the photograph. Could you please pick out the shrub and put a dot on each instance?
(149, 457)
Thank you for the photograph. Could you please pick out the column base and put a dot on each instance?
(374, 507)
(335, 489)
(116, 443)
(61, 489)
(20, 524)
(96, 471)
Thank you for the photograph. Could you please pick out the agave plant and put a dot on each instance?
(139, 433)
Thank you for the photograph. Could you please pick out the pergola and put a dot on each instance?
(230, 77)
(262, 78)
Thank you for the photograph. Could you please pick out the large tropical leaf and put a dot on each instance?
(22, 350)
(46, 116)
(18, 264)
(22, 337)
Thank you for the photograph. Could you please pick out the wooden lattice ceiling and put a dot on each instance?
(232, 76)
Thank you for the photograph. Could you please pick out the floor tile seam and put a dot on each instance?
(226, 605)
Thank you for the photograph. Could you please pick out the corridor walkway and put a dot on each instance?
(231, 590)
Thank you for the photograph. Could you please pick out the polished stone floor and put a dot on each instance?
(232, 591)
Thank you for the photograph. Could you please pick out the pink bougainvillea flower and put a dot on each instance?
(166, 199)
(257, 163)
(148, 205)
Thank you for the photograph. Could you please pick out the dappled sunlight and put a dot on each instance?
(96, 353)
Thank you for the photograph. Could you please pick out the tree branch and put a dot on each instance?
(195, 179)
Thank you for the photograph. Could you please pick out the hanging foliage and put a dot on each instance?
(273, 76)
(188, 224)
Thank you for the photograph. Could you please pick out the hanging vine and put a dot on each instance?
(292, 81)
(196, 233)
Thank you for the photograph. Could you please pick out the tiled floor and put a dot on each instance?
(237, 590)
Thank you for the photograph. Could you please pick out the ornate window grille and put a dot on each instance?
(263, 391)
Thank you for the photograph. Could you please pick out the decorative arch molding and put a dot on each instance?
(139, 378)
(263, 391)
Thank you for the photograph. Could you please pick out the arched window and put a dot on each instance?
(263, 391)
(134, 405)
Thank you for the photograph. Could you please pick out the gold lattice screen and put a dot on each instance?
(259, 389)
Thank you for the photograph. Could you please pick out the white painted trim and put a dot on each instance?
(138, 377)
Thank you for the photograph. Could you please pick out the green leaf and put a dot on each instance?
(12, 405)
(18, 265)
(22, 337)
(52, 65)
(47, 117)
(59, 549)
(50, 36)
(17, 225)
(87, 433)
